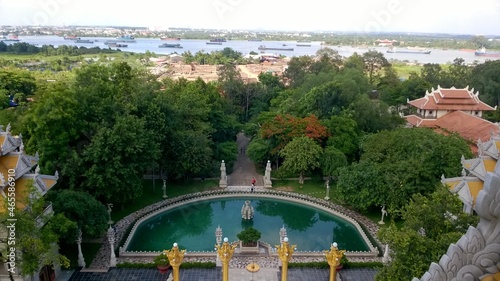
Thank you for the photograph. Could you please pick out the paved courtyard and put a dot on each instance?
(235, 274)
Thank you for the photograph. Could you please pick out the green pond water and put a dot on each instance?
(193, 226)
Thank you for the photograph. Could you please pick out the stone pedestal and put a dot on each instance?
(267, 176)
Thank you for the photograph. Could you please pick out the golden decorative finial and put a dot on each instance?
(333, 258)
(175, 258)
(225, 253)
(285, 252)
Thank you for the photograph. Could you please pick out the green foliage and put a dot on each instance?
(301, 155)
(184, 265)
(486, 80)
(36, 244)
(430, 225)
(249, 236)
(89, 214)
(161, 259)
(391, 168)
(258, 150)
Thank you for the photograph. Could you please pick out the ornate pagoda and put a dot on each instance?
(452, 111)
(19, 173)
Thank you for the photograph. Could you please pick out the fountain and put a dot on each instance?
(247, 211)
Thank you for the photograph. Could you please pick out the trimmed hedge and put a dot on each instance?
(324, 265)
(185, 265)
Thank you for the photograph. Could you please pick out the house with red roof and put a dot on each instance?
(453, 111)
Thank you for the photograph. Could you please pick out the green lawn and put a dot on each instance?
(89, 251)
(404, 70)
(153, 193)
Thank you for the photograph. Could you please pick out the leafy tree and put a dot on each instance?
(331, 160)
(430, 225)
(282, 129)
(301, 155)
(89, 214)
(258, 150)
(459, 74)
(388, 87)
(37, 235)
(344, 135)
(433, 73)
(116, 160)
(373, 115)
(412, 88)
(486, 79)
(362, 186)
(400, 163)
(297, 69)
(374, 61)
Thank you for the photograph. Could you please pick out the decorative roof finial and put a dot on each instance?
(8, 128)
(37, 169)
(56, 175)
(464, 173)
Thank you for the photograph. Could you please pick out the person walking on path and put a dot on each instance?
(253, 183)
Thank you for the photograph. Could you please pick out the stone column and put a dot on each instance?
(111, 239)
(267, 176)
(81, 260)
(223, 176)
(218, 240)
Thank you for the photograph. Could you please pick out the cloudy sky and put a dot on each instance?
(440, 16)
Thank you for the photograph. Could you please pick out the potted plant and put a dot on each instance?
(161, 262)
(249, 237)
(343, 262)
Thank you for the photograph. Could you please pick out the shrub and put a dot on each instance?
(249, 236)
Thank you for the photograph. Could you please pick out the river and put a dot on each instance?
(151, 44)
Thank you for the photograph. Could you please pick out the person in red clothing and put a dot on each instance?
(253, 183)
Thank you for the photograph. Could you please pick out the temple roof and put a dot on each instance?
(466, 187)
(15, 163)
(451, 99)
(467, 126)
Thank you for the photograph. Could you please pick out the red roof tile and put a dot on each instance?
(469, 127)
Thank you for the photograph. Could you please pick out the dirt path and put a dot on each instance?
(244, 69)
(244, 168)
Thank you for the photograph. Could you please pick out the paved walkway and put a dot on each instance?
(244, 168)
(265, 274)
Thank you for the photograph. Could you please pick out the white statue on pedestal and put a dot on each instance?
(267, 176)
(223, 176)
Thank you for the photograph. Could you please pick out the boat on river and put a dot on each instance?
(483, 53)
(10, 38)
(71, 37)
(167, 45)
(214, 43)
(218, 40)
(409, 50)
(126, 39)
(116, 45)
(264, 48)
(84, 41)
(170, 38)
